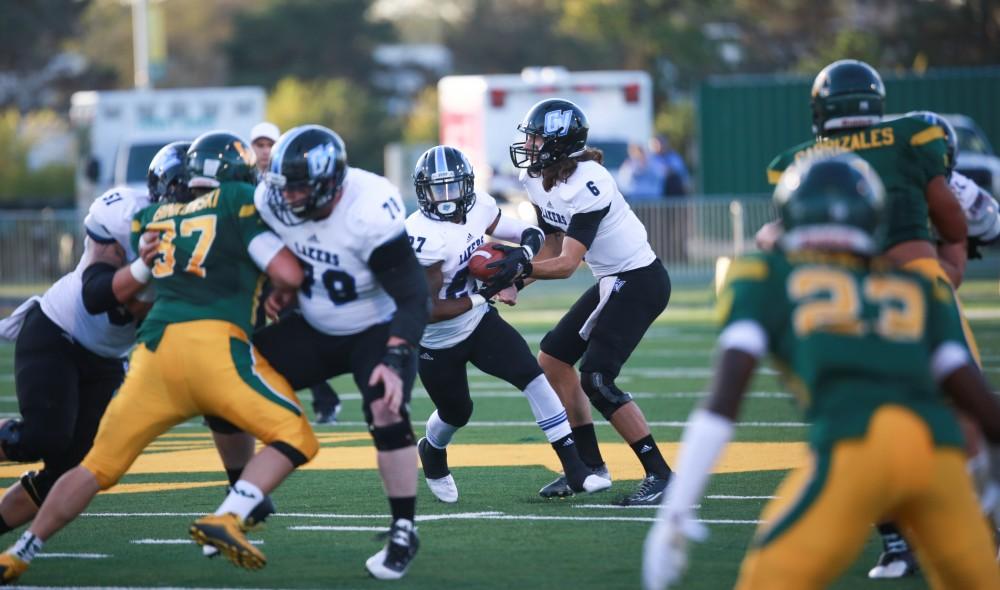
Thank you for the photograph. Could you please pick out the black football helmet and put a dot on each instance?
(950, 137)
(846, 93)
(167, 177)
(562, 127)
(833, 203)
(444, 182)
(308, 166)
(219, 156)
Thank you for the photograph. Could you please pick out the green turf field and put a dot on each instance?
(500, 534)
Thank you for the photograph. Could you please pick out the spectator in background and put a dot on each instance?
(262, 138)
(642, 178)
(677, 177)
(675, 184)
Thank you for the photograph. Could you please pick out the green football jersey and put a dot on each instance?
(849, 336)
(906, 152)
(205, 271)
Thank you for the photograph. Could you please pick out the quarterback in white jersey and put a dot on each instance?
(364, 305)
(71, 343)
(452, 222)
(585, 218)
(981, 212)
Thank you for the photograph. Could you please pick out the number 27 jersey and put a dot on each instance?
(452, 245)
(340, 294)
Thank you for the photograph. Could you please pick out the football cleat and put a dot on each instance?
(393, 560)
(436, 472)
(225, 532)
(560, 487)
(894, 564)
(11, 568)
(649, 493)
(254, 520)
(327, 417)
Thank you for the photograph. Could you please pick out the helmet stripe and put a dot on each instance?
(440, 159)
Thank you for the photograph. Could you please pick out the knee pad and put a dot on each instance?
(37, 485)
(457, 416)
(216, 424)
(25, 446)
(603, 393)
(392, 437)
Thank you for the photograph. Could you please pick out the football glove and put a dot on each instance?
(515, 264)
(665, 552)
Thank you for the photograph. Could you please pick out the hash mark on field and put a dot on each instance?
(177, 542)
(712, 497)
(73, 555)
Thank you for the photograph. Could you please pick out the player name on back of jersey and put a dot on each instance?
(209, 201)
(851, 142)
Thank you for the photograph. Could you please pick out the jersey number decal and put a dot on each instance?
(829, 301)
(593, 188)
(339, 284)
(459, 284)
(203, 225)
(417, 243)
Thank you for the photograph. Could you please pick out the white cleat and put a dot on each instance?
(595, 483)
(209, 551)
(444, 489)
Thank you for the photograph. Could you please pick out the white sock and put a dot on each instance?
(548, 410)
(243, 497)
(439, 432)
(26, 547)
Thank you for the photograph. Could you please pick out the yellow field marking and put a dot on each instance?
(739, 457)
(137, 488)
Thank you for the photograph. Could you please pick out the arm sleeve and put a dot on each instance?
(515, 230)
(400, 274)
(98, 294)
(583, 226)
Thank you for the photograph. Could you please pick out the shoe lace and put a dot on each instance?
(646, 487)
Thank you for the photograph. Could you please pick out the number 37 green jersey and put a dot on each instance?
(204, 271)
(849, 336)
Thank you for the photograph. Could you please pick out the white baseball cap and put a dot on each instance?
(264, 129)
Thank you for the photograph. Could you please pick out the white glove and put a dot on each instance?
(665, 553)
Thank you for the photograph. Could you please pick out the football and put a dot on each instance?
(482, 256)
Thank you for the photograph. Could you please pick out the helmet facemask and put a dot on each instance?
(445, 196)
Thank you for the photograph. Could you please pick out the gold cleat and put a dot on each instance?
(11, 568)
(225, 532)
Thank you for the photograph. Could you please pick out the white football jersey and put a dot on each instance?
(621, 242)
(981, 210)
(452, 243)
(109, 334)
(340, 294)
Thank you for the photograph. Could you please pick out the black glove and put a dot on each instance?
(515, 264)
(395, 357)
(490, 288)
(973, 248)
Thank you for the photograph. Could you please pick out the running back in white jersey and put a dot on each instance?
(452, 243)
(110, 334)
(981, 210)
(621, 242)
(340, 294)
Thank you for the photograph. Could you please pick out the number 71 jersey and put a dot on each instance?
(340, 295)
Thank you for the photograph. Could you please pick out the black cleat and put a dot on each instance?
(560, 488)
(392, 561)
(894, 564)
(649, 493)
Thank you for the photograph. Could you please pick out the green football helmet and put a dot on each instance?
(832, 203)
(219, 156)
(847, 93)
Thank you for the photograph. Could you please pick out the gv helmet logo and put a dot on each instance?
(557, 122)
(320, 160)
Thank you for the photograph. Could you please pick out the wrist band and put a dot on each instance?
(477, 300)
(140, 271)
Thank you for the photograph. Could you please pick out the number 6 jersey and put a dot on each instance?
(452, 243)
(340, 295)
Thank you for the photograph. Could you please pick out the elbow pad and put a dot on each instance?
(400, 274)
(98, 294)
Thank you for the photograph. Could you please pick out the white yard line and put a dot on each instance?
(72, 556)
(177, 542)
